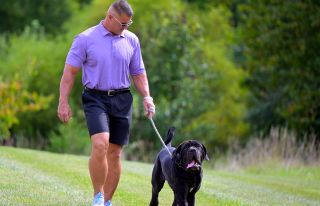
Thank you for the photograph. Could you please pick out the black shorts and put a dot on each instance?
(111, 114)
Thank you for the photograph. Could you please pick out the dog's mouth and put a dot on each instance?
(193, 165)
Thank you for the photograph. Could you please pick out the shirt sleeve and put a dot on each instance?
(77, 52)
(136, 65)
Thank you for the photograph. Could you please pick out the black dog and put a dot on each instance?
(182, 171)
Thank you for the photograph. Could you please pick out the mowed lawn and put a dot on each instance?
(29, 177)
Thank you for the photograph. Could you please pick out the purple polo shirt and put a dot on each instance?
(106, 60)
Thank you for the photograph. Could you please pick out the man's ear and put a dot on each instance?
(109, 16)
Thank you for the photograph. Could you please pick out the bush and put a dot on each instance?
(71, 138)
(280, 147)
(14, 100)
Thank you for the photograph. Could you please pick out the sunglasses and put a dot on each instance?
(123, 24)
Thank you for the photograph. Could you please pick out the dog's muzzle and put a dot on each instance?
(193, 163)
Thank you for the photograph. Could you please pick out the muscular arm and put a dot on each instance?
(66, 84)
(142, 85)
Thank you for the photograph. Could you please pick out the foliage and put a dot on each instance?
(281, 147)
(200, 3)
(20, 13)
(50, 14)
(195, 84)
(282, 42)
(37, 60)
(15, 99)
(33, 60)
(71, 138)
(191, 74)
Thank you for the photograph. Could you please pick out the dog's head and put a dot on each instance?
(189, 155)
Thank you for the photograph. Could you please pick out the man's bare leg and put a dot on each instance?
(98, 165)
(114, 165)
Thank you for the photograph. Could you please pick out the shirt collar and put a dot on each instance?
(104, 31)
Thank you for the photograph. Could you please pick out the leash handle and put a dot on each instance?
(155, 129)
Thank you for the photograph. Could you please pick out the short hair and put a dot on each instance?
(122, 6)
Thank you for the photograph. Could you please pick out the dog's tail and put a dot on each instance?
(170, 135)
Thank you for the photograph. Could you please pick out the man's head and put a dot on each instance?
(119, 17)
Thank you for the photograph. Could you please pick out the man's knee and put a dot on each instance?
(114, 152)
(115, 155)
(100, 144)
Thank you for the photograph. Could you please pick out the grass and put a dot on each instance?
(279, 148)
(29, 177)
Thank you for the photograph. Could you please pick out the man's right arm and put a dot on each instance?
(66, 84)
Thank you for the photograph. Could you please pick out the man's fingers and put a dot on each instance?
(152, 109)
(64, 113)
(65, 117)
(149, 107)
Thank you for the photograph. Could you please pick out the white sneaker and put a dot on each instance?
(98, 200)
(108, 203)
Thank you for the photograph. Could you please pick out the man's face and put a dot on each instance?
(119, 22)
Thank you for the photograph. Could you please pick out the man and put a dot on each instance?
(108, 54)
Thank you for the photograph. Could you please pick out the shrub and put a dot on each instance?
(280, 147)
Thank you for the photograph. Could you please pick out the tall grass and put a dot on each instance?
(280, 147)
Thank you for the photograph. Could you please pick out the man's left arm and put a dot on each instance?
(142, 85)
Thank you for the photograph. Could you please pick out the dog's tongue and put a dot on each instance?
(191, 164)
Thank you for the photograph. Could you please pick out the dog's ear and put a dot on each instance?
(170, 135)
(176, 153)
(205, 152)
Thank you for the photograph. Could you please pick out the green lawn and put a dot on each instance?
(35, 178)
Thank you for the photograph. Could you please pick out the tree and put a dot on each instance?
(51, 14)
(192, 78)
(282, 42)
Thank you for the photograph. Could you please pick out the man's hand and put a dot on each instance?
(64, 112)
(149, 107)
